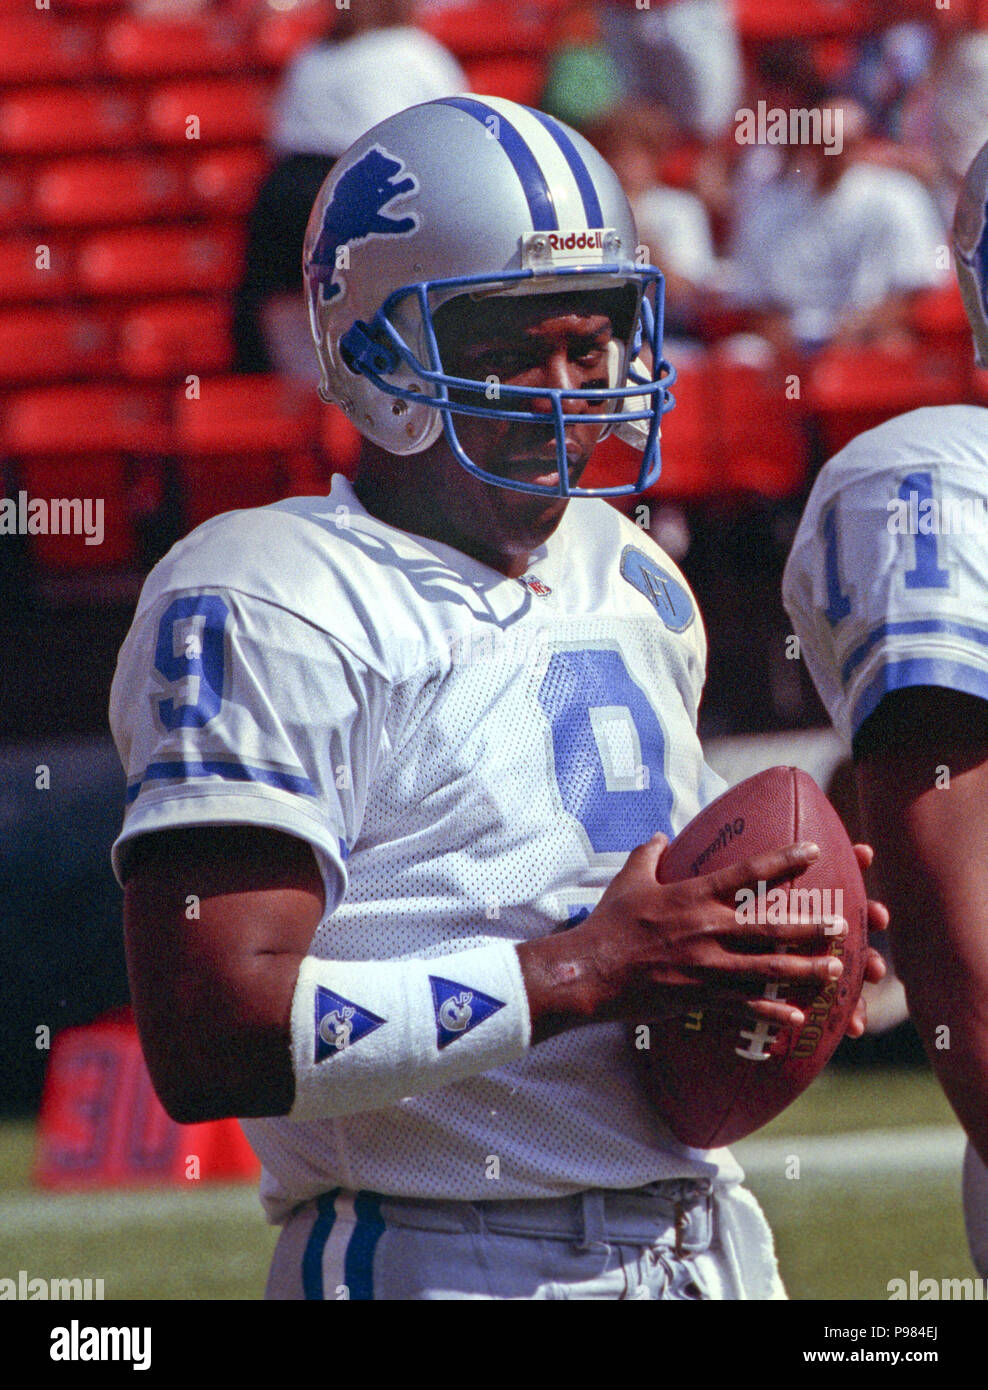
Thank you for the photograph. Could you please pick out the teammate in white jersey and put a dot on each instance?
(887, 588)
(383, 745)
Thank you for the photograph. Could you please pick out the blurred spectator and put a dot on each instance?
(832, 248)
(959, 115)
(681, 54)
(889, 66)
(583, 81)
(672, 223)
(371, 64)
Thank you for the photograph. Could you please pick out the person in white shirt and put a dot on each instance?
(833, 248)
(372, 63)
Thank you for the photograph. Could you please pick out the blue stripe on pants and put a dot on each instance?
(312, 1280)
(358, 1269)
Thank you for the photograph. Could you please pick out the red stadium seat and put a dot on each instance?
(939, 313)
(228, 483)
(135, 47)
(760, 20)
(481, 30)
(244, 414)
(688, 469)
(83, 192)
(226, 181)
(176, 337)
(84, 483)
(853, 389)
(159, 260)
(54, 120)
(46, 344)
(686, 446)
(15, 199)
(224, 110)
(979, 386)
(85, 419)
(38, 47)
(339, 442)
(760, 445)
(20, 275)
(244, 443)
(517, 77)
(278, 37)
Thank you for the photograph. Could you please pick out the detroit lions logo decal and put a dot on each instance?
(357, 211)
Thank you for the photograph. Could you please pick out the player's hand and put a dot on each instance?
(664, 949)
(875, 967)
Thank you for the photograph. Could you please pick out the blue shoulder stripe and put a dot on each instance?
(229, 772)
(952, 675)
(903, 629)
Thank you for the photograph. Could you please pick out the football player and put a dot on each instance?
(382, 745)
(886, 589)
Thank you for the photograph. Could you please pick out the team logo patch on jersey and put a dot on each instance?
(458, 1009)
(534, 585)
(340, 1023)
(666, 595)
(356, 212)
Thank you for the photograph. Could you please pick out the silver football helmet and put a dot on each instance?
(971, 250)
(475, 196)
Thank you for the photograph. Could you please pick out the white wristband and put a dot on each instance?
(365, 1034)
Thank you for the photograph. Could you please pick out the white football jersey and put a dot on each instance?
(887, 582)
(471, 757)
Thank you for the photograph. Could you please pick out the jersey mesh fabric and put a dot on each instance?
(505, 752)
(885, 584)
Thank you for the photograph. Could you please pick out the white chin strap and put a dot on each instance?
(634, 432)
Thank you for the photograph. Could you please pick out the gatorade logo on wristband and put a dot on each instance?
(459, 1009)
(340, 1023)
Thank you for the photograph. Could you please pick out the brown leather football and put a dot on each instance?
(715, 1078)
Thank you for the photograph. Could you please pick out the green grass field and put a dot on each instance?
(878, 1194)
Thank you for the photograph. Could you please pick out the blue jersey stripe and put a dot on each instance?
(897, 675)
(970, 634)
(579, 170)
(534, 184)
(230, 772)
(358, 1267)
(312, 1280)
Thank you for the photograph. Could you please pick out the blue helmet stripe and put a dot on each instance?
(579, 170)
(526, 166)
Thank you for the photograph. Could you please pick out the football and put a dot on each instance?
(715, 1078)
